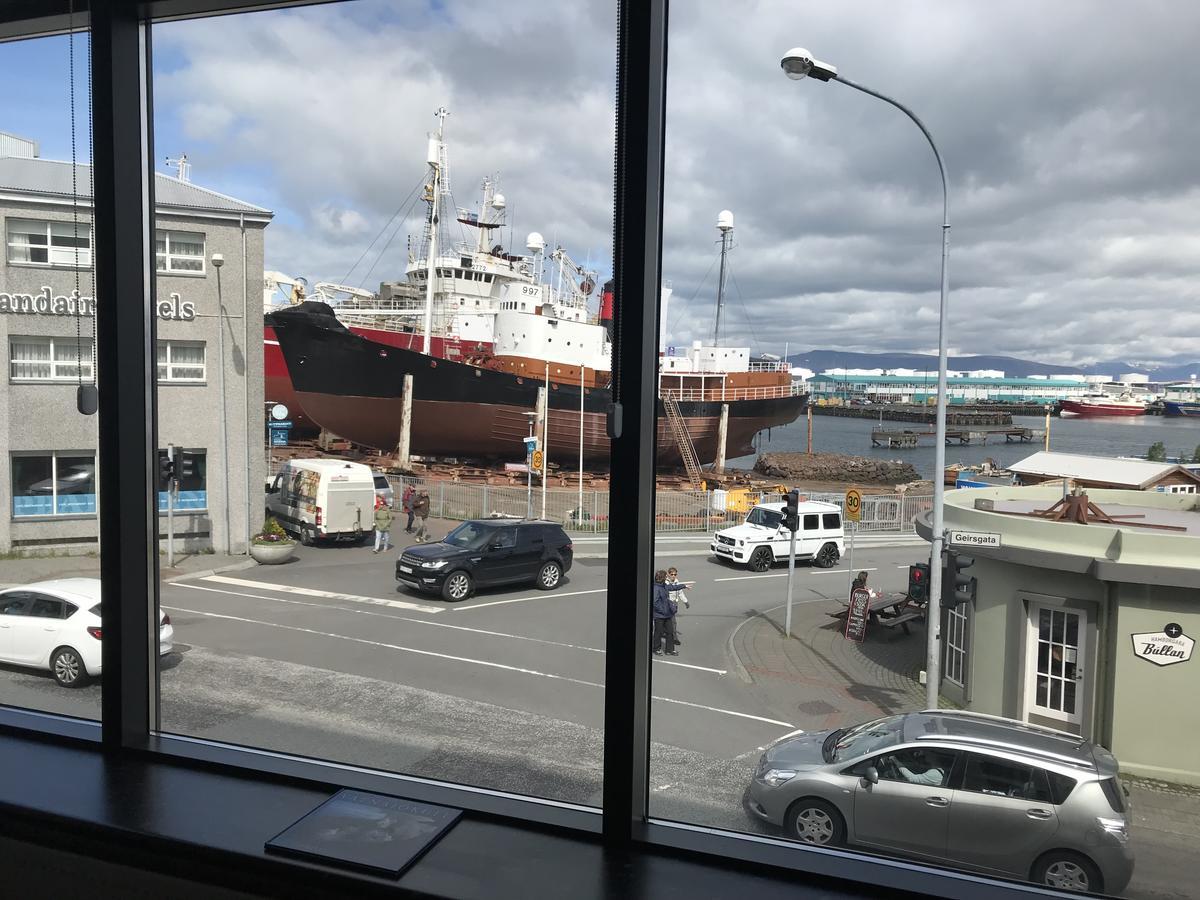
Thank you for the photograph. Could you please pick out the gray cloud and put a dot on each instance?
(1069, 131)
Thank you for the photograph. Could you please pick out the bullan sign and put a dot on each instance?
(1163, 648)
(47, 303)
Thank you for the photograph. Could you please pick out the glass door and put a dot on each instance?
(1055, 664)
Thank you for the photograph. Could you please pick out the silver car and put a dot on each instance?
(962, 789)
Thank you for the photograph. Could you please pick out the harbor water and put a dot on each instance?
(1104, 436)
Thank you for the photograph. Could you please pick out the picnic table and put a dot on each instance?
(892, 609)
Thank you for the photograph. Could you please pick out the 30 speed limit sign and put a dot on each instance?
(538, 459)
(853, 505)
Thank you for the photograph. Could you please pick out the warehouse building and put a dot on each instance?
(209, 346)
(921, 387)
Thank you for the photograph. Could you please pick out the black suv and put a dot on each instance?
(484, 552)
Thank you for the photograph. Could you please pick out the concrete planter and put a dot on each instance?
(272, 554)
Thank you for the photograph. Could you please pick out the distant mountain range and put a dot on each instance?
(820, 360)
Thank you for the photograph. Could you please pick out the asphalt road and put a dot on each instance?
(325, 657)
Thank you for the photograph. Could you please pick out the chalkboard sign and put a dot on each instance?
(857, 615)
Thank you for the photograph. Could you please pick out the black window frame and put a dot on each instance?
(125, 253)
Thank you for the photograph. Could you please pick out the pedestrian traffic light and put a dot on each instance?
(187, 464)
(957, 588)
(791, 511)
(918, 582)
(166, 468)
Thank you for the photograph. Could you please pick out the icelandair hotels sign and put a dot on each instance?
(47, 303)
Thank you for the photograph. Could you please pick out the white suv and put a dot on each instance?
(762, 539)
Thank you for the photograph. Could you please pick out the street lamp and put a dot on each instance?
(798, 63)
(218, 260)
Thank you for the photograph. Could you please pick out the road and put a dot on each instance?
(325, 657)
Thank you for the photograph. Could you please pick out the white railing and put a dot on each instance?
(727, 393)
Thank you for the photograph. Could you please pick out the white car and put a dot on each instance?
(56, 625)
(762, 539)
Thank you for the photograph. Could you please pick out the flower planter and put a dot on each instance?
(272, 554)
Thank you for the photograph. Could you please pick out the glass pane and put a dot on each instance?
(385, 683)
(1056, 630)
(47, 448)
(1072, 638)
(1044, 625)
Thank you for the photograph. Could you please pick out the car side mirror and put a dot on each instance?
(872, 775)
(495, 547)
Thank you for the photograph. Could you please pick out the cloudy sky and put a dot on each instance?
(1070, 132)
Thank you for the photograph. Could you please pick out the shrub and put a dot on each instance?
(1157, 452)
(272, 533)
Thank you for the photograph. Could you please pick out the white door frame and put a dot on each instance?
(1081, 665)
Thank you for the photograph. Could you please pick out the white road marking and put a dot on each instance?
(545, 596)
(463, 659)
(331, 595)
(744, 577)
(843, 571)
(426, 622)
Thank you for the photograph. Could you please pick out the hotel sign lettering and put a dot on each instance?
(1163, 648)
(47, 303)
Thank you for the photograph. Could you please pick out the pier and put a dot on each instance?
(895, 439)
(965, 415)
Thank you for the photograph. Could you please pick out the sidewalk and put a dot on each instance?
(44, 568)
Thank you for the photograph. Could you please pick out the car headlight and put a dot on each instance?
(776, 777)
(437, 564)
(1118, 828)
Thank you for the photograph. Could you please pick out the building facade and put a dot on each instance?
(1087, 628)
(921, 387)
(209, 354)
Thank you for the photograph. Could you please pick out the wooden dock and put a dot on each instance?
(882, 437)
(957, 414)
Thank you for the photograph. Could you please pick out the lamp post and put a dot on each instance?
(218, 260)
(798, 63)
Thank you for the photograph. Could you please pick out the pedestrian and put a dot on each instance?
(421, 513)
(383, 525)
(406, 505)
(673, 578)
(664, 613)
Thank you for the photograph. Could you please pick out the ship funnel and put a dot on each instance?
(498, 201)
(535, 243)
(725, 221)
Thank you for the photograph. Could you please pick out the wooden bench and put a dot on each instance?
(903, 619)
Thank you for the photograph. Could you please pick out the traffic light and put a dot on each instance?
(791, 511)
(918, 582)
(166, 468)
(187, 463)
(957, 588)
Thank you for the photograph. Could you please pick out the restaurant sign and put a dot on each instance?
(1163, 648)
(47, 303)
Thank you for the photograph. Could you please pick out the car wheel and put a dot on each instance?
(68, 668)
(457, 586)
(1068, 871)
(549, 576)
(760, 560)
(816, 822)
(827, 557)
(307, 538)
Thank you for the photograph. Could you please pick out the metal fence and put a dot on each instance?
(675, 511)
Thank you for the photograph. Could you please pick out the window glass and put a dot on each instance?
(49, 243)
(926, 766)
(1001, 778)
(766, 517)
(63, 358)
(831, 521)
(812, 522)
(180, 361)
(47, 608)
(504, 538)
(179, 251)
(16, 604)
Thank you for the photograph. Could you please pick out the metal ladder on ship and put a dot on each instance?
(684, 440)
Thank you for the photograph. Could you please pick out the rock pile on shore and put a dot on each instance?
(795, 468)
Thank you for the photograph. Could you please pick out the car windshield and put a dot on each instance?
(866, 738)
(764, 517)
(468, 536)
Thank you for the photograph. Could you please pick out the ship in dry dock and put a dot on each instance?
(485, 333)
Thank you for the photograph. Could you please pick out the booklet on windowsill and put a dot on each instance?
(371, 832)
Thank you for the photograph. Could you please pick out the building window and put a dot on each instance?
(35, 243)
(181, 362)
(192, 489)
(49, 359)
(179, 251)
(55, 484)
(956, 645)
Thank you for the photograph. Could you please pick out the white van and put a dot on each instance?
(762, 539)
(323, 498)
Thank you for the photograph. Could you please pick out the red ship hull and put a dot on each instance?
(1075, 408)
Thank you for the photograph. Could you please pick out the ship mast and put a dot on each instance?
(725, 226)
(434, 199)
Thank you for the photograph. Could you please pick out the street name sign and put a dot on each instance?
(975, 539)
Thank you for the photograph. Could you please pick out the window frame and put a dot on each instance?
(54, 456)
(164, 370)
(86, 367)
(124, 246)
(81, 258)
(167, 255)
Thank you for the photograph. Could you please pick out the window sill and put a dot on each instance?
(164, 273)
(42, 267)
(65, 517)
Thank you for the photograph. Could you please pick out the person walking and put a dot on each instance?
(406, 505)
(421, 513)
(664, 613)
(383, 525)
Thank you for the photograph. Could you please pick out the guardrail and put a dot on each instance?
(675, 511)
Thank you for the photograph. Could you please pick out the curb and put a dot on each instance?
(205, 573)
(733, 655)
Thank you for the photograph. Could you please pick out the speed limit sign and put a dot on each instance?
(853, 505)
(538, 459)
